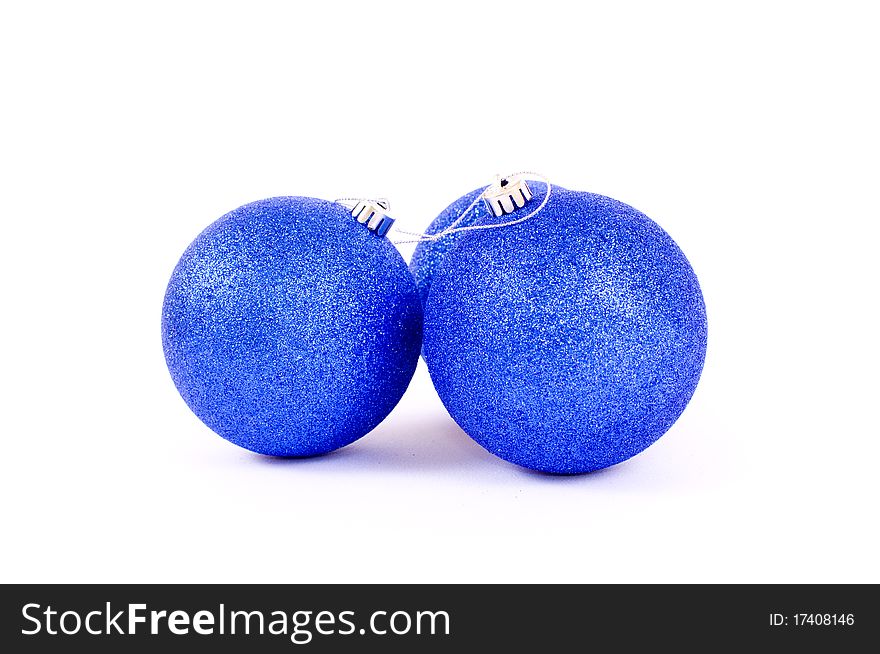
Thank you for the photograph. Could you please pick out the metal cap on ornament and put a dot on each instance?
(507, 194)
(372, 213)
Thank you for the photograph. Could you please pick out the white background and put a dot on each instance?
(749, 133)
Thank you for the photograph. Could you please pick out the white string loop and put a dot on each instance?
(453, 227)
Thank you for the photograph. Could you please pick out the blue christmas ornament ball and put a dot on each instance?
(567, 343)
(289, 328)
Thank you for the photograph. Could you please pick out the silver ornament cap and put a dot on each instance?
(372, 213)
(506, 194)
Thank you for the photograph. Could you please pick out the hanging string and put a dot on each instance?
(381, 202)
(453, 227)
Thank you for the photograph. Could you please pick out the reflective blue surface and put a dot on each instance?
(567, 343)
(289, 328)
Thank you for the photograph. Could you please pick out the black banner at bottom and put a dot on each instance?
(428, 618)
